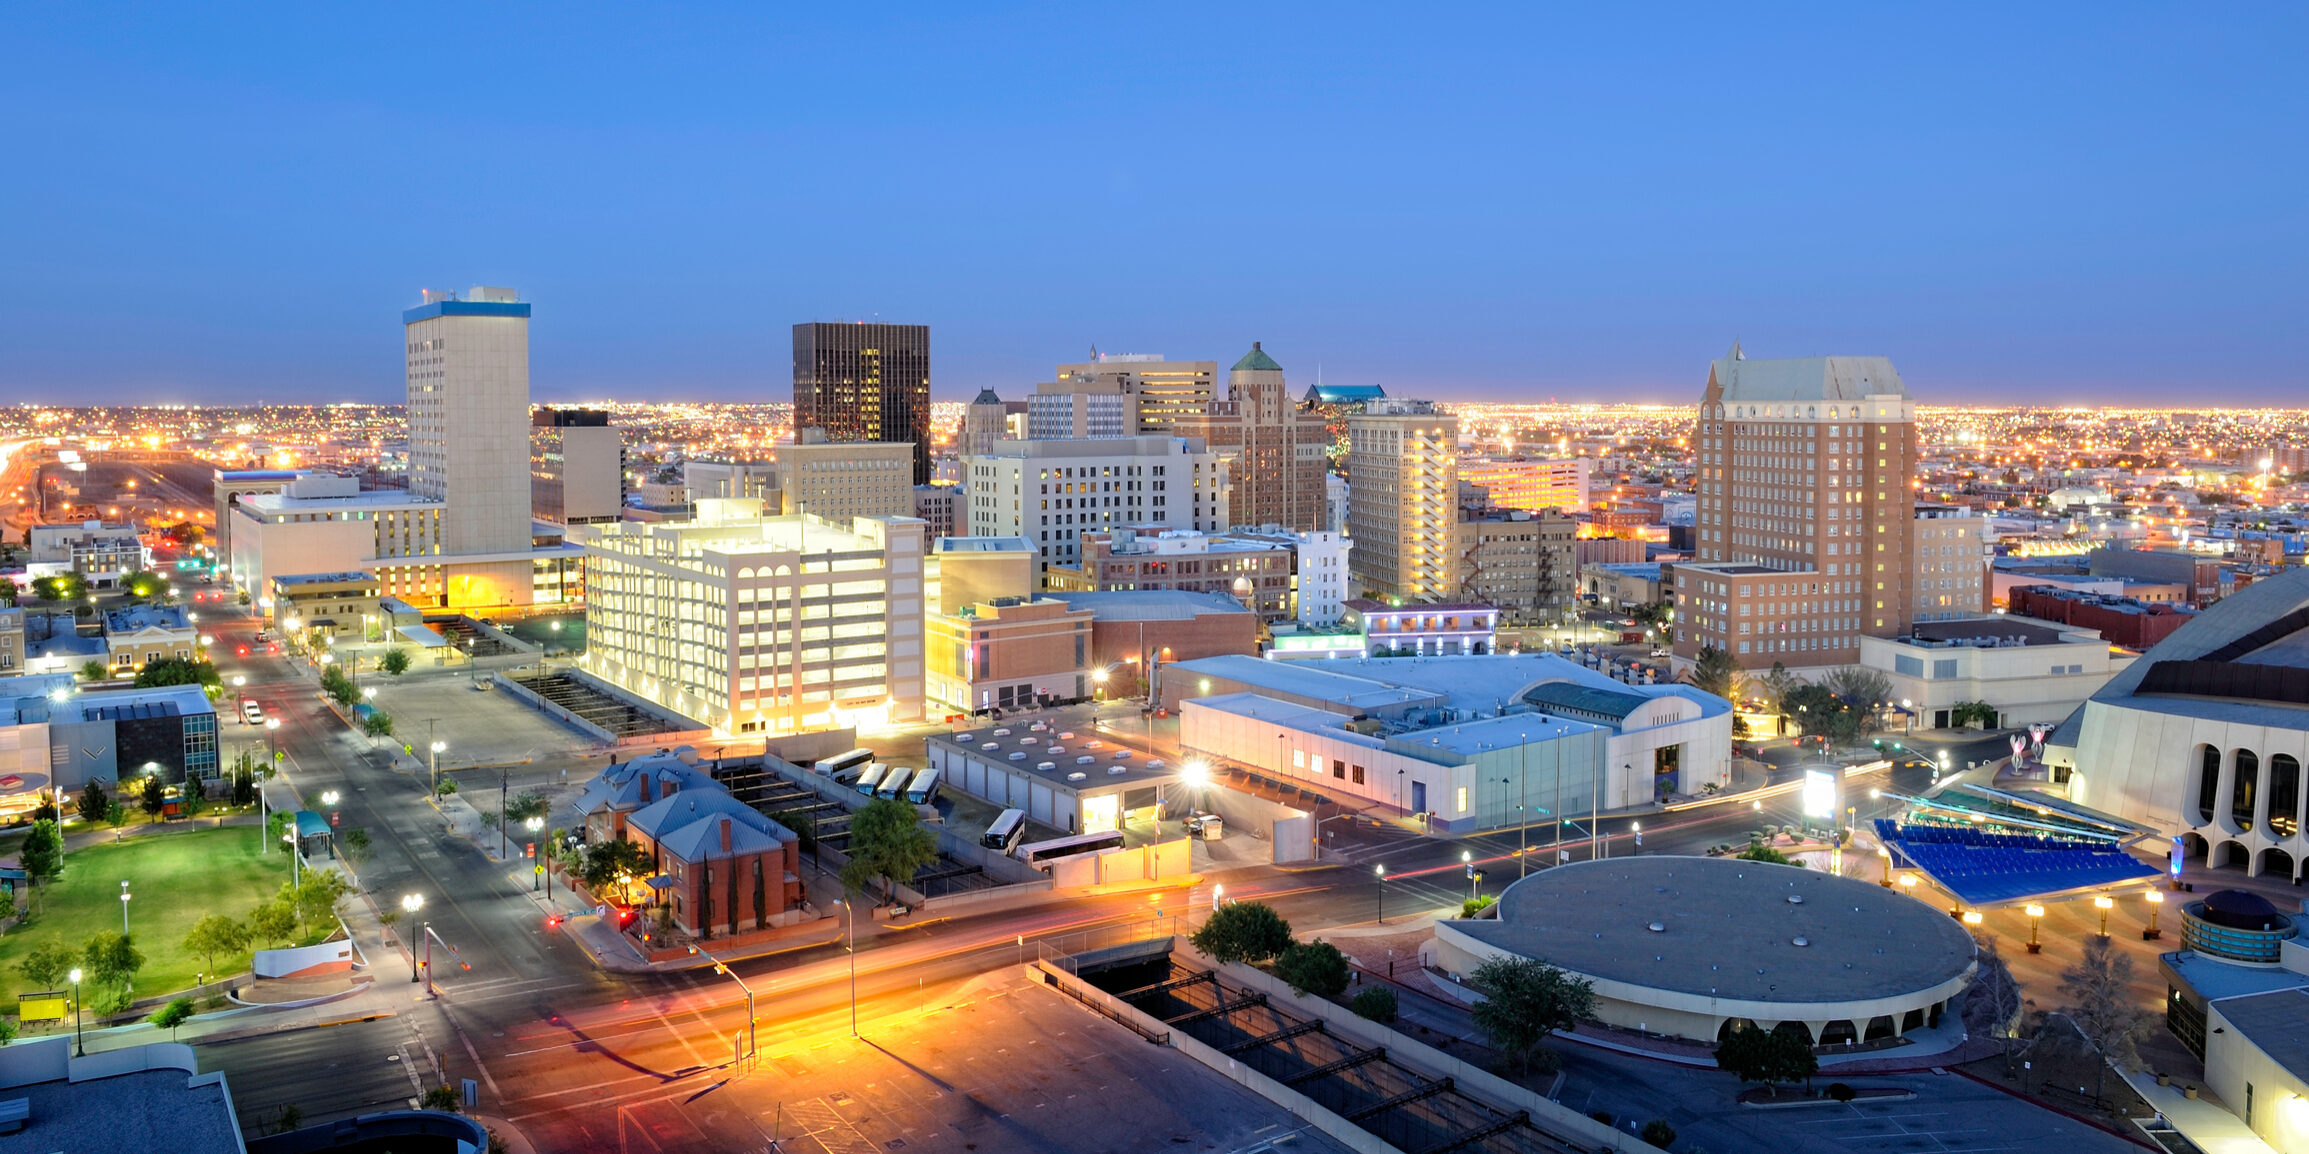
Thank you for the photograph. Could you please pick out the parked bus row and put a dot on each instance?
(860, 771)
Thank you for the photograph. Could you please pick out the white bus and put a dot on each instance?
(1040, 854)
(1003, 835)
(894, 782)
(842, 763)
(924, 788)
(871, 778)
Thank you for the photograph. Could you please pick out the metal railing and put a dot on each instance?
(1063, 950)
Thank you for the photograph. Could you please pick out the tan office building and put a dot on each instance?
(1276, 450)
(1804, 468)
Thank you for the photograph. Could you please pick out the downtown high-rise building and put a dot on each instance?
(1121, 395)
(1276, 448)
(1403, 500)
(865, 382)
(1806, 514)
(468, 393)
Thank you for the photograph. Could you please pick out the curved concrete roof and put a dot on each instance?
(1728, 930)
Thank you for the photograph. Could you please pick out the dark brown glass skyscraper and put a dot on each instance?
(865, 382)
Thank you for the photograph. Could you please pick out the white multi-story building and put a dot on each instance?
(1318, 577)
(1403, 500)
(756, 624)
(468, 378)
(1050, 492)
(1530, 483)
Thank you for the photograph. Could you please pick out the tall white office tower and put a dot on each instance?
(469, 438)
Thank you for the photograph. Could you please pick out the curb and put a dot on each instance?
(304, 1003)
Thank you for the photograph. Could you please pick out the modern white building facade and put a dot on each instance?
(1403, 499)
(756, 624)
(1050, 492)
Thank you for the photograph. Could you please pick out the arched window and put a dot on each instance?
(2208, 783)
(2247, 784)
(2284, 795)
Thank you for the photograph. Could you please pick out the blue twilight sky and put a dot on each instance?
(2047, 203)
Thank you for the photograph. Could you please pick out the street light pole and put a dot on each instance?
(79, 1044)
(851, 904)
(1381, 871)
(412, 903)
(2035, 915)
(124, 909)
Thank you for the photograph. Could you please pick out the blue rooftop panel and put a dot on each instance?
(518, 309)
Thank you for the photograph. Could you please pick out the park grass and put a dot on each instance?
(176, 878)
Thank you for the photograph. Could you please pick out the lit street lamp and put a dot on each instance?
(2103, 904)
(79, 1048)
(537, 860)
(2156, 903)
(272, 739)
(433, 765)
(1467, 857)
(1972, 919)
(411, 903)
(2035, 916)
(124, 909)
(1381, 871)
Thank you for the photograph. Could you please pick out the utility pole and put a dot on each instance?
(504, 847)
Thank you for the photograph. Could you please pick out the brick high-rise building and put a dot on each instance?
(1275, 449)
(865, 382)
(1805, 516)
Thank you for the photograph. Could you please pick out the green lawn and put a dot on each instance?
(176, 879)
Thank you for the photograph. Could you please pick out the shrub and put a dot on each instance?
(1842, 1092)
(441, 1098)
(1475, 906)
(1243, 932)
(1659, 1133)
(1376, 1003)
(1313, 968)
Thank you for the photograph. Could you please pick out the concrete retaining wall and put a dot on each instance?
(1555, 1118)
(304, 961)
(1302, 1107)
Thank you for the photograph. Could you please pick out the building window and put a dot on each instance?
(1462, 799)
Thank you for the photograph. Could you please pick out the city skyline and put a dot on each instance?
(2074, 216)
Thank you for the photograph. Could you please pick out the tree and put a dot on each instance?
(606, 862)
(1754, 1054)
(46, 964)
(526, 805)
(1993, 1006)
(153, 798)
(2099, 990)
(1316, 968)
(441, 1098)
(1659, 1133)
(216, 935)
(93, 803)
(315, 896)
(1714, 671)
(1243, 932)
(111, 957)
(887, 844)
(377, 724)
(94, 671)
(396, 662)
(195, 797)
(8, 1028)
(61, 587)
(338, 686)
(172, 1015)
(43, 853)
(275, 921)
(116, 814)
(144, 585)
(1862, 689)
(1524, 1000)
(1376, 1003)
(1820, 713)
(354, 844)
(161, 671)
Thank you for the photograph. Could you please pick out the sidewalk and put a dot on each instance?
(2202, 1120)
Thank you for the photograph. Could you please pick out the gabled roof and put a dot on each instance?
(688, 825)
(1257, 361)
(619, 787)
(986, 397)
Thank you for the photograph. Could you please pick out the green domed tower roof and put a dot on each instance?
(1257, 360)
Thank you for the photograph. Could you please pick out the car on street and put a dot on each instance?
(252, 713)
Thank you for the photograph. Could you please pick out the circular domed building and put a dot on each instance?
(1693, 946)
(2236, 926)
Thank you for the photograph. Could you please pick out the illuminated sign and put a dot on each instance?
(1819, 793)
